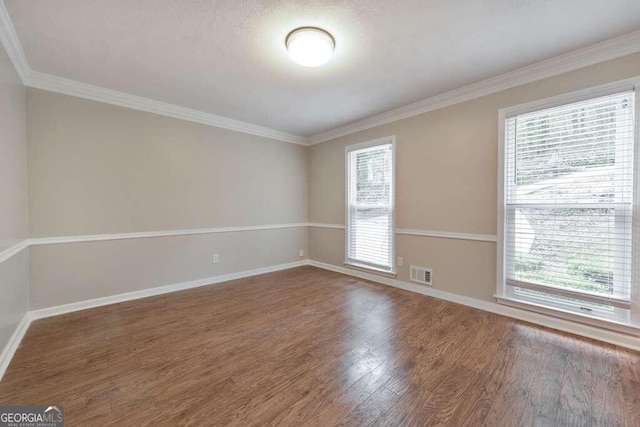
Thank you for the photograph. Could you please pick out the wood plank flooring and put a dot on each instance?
(311, 347)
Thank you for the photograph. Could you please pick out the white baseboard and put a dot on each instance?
(16, 338)
(14, 342)
(608, 336)
(599, 334)
(129, 296)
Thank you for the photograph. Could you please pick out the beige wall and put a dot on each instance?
(97, 168)
(14, 285)
(446, 180)
(66, 273)
(101, 169)
(14, 279)
(13, 157)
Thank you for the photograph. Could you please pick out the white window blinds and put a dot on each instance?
(569, 203)
(370, 199)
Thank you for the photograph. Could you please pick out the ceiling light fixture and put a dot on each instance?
(310, 46)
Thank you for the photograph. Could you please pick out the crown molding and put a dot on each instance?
(604, 51)
(9, 39)
(64, 86)
(600, 52)
(48, 82)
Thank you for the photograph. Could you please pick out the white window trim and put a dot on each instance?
(504, 297)
(379, 141)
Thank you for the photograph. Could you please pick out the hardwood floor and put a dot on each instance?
(312, 347)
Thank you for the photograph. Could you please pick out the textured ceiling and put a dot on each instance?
(227, 57)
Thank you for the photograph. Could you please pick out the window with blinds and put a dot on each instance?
(568, 206)
(370, 205)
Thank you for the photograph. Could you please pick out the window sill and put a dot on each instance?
(625, 328)
(368, 269)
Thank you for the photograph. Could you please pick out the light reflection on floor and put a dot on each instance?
(370, 316)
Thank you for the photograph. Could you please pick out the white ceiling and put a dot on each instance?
(227, 57)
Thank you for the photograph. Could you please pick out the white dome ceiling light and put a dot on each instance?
(310, 47)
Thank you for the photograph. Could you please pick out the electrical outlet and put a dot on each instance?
(400, 261)
(301, 253)
(215, 258)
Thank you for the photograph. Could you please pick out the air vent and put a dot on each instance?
(421, 275)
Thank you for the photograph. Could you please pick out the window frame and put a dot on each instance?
(392, 245)
(504, 293)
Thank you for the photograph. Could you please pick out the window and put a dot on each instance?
(370, 205)
(567, 205)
